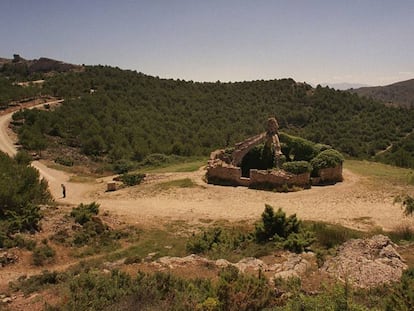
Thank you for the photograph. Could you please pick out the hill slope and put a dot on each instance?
(399, 94)
(129, 115)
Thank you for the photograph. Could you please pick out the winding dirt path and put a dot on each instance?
(355, 202)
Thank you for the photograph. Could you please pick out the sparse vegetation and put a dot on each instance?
(132, 179)
(407, 202)
(43, 254)
(84, 212)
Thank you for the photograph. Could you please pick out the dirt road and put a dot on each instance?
(355, 202)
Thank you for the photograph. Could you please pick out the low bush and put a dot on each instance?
(132, 179)
(37, 283)
(403, 232)
(84, 212)
(329, 235)
(23, 157)
(221, 242)
(43, 254)
(275, 225)
(65, 161)
(159, 159)
(296, 148)
(21, 193)
(122, 166)
(297, 167)
(326, 159)
(402, 296)
(161, 291)
(285, 232)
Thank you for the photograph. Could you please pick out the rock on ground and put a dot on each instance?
(367, 262)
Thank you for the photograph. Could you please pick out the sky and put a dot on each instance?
(315, 41)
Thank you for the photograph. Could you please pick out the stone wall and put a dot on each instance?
(275, 179)
(259, 179)
(224, 175)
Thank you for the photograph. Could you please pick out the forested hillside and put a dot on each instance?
(115, 114)
(12, 92)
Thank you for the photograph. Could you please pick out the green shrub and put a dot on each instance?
(43, 254)
(296, 148)
(276, 225)
(297, 167)
(23, 157)
(66, 161)
(122, 166)
(60, 236)
(93, 291)
(298, 242)
(132, 179)
(408, 204)
(37, 283)
(321, 147)
(84, 212)
(21, 193)
(326, 159)
(158, 159)
(204, 242)
(93, 228)
(22, 242)
(329, 235)
(402, 296)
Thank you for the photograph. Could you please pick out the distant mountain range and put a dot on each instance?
(397, 94)
(344, 85)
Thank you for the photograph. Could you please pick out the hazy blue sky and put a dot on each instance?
(316, 41)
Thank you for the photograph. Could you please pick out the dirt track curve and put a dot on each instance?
(354, 202)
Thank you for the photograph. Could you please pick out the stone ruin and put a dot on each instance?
(224, 166)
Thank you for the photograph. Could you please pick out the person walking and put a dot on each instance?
(63, 190)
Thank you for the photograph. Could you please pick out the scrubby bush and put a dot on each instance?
(122, 166)
(276, 225)
(206, 241)
(66, 161)
(38, 282)
(330, 235)
(132, 179)
(158, 159)
(23, 157)
(43, 254)
(326, 159)
(84, 212)
(296, 148)
(298, 242)
(402, 297)
(285, 232)
(407, 203)
(21, 193)
(297, 167)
